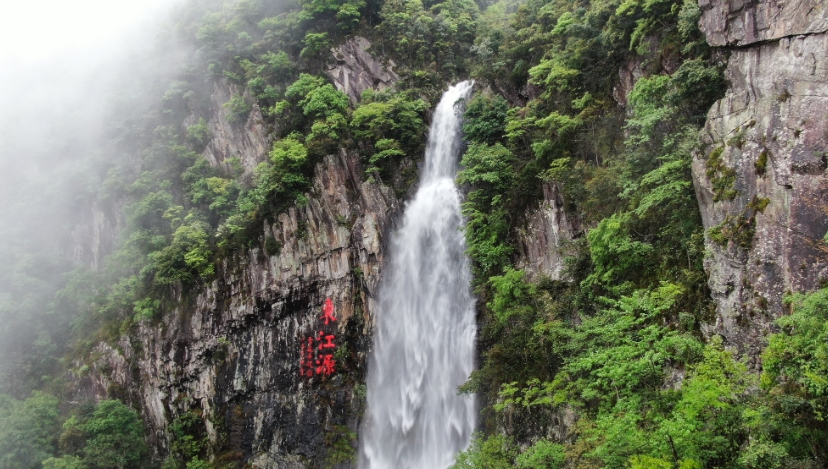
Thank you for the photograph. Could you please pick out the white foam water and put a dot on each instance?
(424, 342)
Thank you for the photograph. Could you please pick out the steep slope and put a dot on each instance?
(245, 354)
(234, 353)
(760, 178)
(622, 266)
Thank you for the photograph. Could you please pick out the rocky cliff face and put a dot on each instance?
(546, 238)
(95, 234)
(760, 179)
(356, 70)
(272, 353)
(747, 22)
(246, 141)
(236, 352)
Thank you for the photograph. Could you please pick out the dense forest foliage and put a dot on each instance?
(605, 367)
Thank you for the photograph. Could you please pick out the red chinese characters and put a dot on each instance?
(326, 365)
(306, 364)
(328, 311)
(316, 357)
(327, 340)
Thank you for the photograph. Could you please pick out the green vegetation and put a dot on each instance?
(188, 442)
(429, 40)
(485, 119)
(113, 434)
(761, 163)
(488, 169)
(614, 347)
(107, 436)
(27, 430)
(186, 219)
(342, 444)
(237, 109)
(794, 374)
(388, 126)
(615, 342)
(721, 176)
(739, 229)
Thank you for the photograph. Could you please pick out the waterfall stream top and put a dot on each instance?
(424, 343)
(445, 135)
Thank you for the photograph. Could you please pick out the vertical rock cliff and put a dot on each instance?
(547, 235)
(356, 70)
(272, 353)
(234, 351)
(760, 177)
(247, 142)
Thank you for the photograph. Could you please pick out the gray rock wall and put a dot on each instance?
(234, 351)
(765, 140)
(745, 22)
(356, 70)
(546, 238)
(247, 141)
(95, 233)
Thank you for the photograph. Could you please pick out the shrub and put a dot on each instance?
(495, 452)
(199, 134)
(114, 437)
(485, 119)
(238, 109)
(187, 258)
(27, 430)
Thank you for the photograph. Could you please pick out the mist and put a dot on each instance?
(68, 71)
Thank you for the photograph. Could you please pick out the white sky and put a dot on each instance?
(34, 30)
(55, 59)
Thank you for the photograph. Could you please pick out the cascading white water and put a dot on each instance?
(424, 343)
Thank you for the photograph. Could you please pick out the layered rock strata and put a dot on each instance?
(748, 22)
(234, 352)
(246, 141)
(245, 352)
(760, 178)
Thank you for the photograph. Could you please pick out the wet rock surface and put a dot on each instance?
(760, 178)
(233, 351)
(96, 233)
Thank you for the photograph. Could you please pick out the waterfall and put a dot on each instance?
(424, 343)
